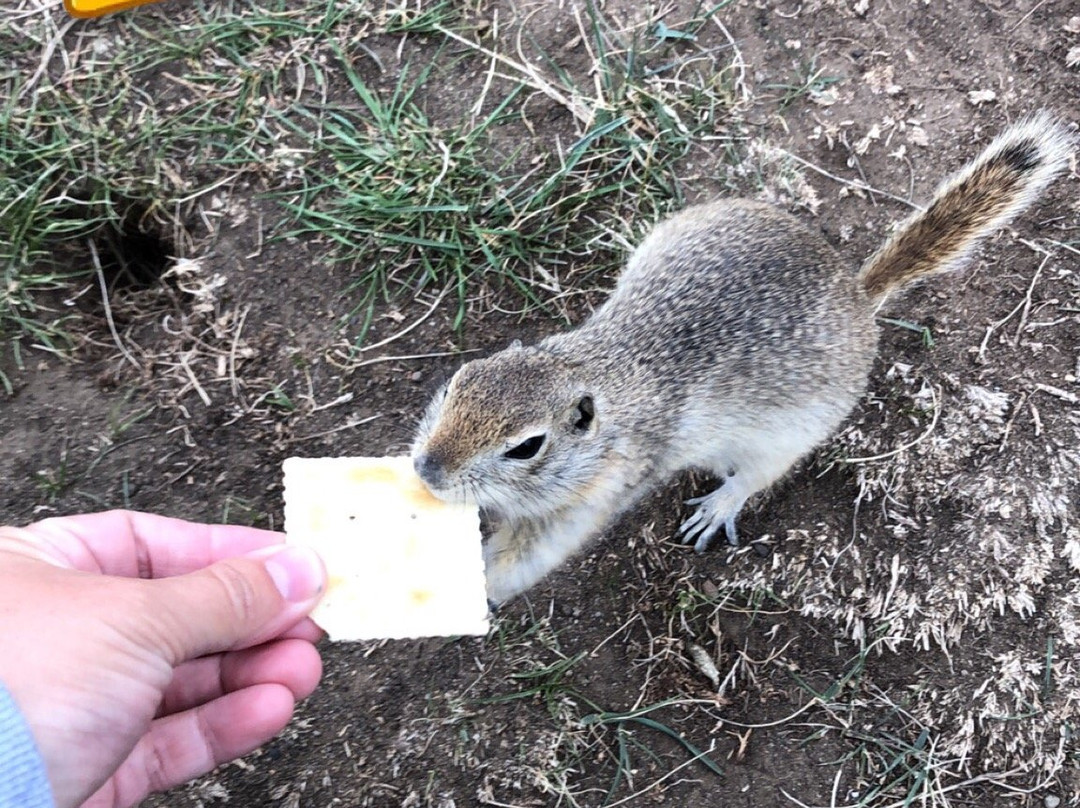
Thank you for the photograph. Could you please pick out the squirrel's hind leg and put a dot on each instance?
(768, 458)
(750, 459)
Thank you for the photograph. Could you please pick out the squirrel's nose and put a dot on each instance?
(428, 468)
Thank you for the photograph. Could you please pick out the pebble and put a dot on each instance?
(1051, 801)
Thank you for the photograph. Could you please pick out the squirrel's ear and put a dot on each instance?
(585, 414)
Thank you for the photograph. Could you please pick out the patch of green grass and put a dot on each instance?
(624, 735)
(407, 201)
(388, 179)
(626, 742)
(412, 201)
(548, 683)
(80, 150)
(894, 759)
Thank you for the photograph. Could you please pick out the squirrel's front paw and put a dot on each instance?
(506, 567)
(706, 522)
(716, 510)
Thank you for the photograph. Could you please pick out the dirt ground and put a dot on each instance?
(914, 638)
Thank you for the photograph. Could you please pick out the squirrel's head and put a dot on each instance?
(516, 433)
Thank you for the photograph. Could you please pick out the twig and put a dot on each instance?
(1027, 301)
(906, 446)
(232, 353)
(980, 357)
(528, 75)
(1034, 8)
(194, 381)
(342, 428)
(479, 105)
(1057, 392)
(859, 186)
(410, 357)
(779, 722)
(410, 327)
(1063, 246)
(344, 398)
(105, 302)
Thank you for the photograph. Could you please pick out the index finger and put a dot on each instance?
(135, 544)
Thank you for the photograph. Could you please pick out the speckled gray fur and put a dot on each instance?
(735, 341)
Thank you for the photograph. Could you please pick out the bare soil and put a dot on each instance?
(906, 618)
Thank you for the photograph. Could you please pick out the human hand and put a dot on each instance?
(132, 685)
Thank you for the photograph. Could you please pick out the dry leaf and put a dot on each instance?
(1072, 58)
(871, 136)
(916, 135)
(880, 80)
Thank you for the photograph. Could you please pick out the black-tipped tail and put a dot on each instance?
(1007, 177)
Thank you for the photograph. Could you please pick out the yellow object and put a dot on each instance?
(97, 8)
(400, 562)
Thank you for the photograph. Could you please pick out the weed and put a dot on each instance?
(52, 482)
(551, 684)
(809, 81)
(239, 511)
(410, 202)
(276, 397)
(923, 331)
(626, 742)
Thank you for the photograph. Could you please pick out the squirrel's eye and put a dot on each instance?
(526, 449)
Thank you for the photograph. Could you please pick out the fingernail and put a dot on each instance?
(298, 573)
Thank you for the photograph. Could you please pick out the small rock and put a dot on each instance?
(1051, 801)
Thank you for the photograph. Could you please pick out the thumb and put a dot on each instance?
(238, 602)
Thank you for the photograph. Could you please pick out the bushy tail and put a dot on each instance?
(1007, 177)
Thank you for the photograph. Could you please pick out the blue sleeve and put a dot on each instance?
(23, 783)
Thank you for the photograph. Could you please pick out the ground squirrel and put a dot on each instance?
(735, 341)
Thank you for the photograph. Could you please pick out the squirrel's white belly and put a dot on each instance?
(755, 446)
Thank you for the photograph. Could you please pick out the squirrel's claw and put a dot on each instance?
(707, 520)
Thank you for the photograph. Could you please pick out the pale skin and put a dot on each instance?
(144, 651)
